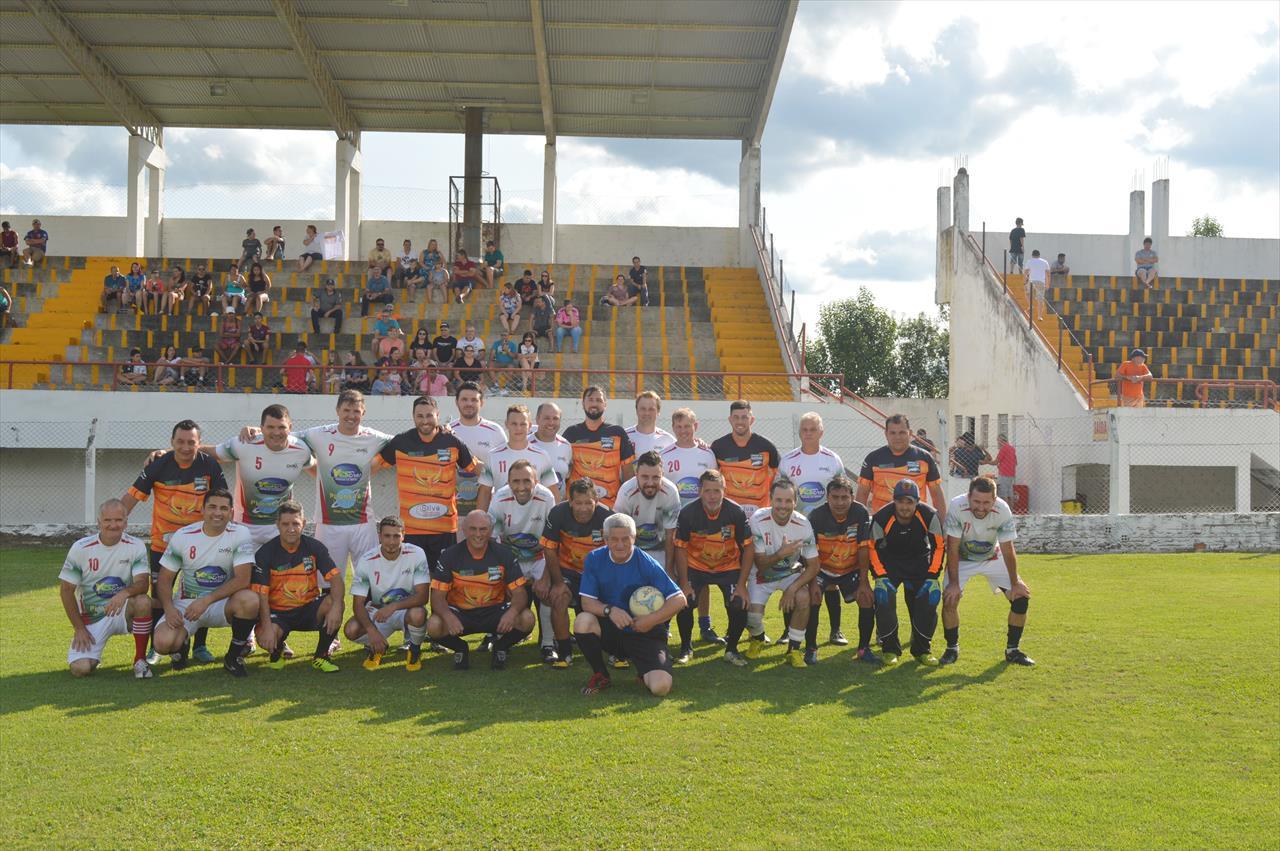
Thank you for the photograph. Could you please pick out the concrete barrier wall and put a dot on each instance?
(1151, 533)
(1180, 256)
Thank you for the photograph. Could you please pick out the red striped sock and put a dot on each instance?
(141, 635)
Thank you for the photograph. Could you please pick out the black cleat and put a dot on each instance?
(233, 664)
(549, 656)
(498, 661)
(179, 660)
(462, 660)
(1014, 656)
(487, 644)
(811, 657)
(950, 657)
(710, 636)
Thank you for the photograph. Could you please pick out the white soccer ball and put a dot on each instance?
(645, 600)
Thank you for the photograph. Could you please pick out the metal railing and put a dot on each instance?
(1239, 393)
(783, 318)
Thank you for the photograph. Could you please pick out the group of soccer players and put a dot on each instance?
(504, 528)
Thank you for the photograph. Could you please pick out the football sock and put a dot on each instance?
(832, 597)
(415, 635)
(546, 633)
(240, 629)
(795, 635)
(1015, 635)
(564, 648)
(704, 621)
(141, 629)
(505, 641)
(737, 624)
(811, 631)
(952, 634)
(453, 642)
(322, 643)
(684, 622)
(589, 644)
(866, 623)
(202, 636)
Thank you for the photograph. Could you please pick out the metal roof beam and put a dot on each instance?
(544, 71)
(771, 80)
(343, 120)
(115, 93)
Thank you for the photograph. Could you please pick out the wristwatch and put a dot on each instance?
(608, 610)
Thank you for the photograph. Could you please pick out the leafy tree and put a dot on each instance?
(923, 354)
(1205, 226)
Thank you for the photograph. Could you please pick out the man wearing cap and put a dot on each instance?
(327, 303)
(443, 345)
(1130, 379)
(907, 548)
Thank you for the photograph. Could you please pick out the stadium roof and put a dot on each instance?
(635, 68)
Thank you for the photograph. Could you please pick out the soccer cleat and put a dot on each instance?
(179, 659)
(154, 658)
(250, 646)
(141, 670)
(1014, 656)
(563, 661)
(549, 655)
(890, 660)
(755, 647)
(486, 645)
(619, 663)
(780, 640)
(234, 665)
(811, 657)
(795, 658)
(685, 655)
(733, 657)
(710, 636)
(868, 657)
(498, 661)
(372, 661)
(838, 639)
(204, 655)
(285, 650)
(414, 662)
(335, 646)
(462, 660)
(928, 660)
(597, 684)
(324, 665)
(438, 648)
(276, 661)
(950, 657)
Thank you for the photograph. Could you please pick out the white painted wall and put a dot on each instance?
(1180, 256)
(1153, 533)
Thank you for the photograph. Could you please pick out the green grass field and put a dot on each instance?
(1153, 719)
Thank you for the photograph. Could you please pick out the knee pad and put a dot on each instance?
(930, 591)
(884, 590)
(1019, 606)
(755, 622)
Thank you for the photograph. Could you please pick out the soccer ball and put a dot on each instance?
(645, 600)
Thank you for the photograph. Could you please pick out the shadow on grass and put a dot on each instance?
(26, 569)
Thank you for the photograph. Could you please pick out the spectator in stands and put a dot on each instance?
(233, 290)
(438, 280)
(327, 304)
(495, 265)
(404, 262)
(419, 360)
(1059, 271)
(380, 258)
(274, 246)
(395, 362)
(37, 241)
(415, 278)
(259, 336)
(353, 375)
(1037, 281)
(1017, 237)
(9, 245)
(114, 287)
(200, 291)
(258, 285)
(168, 368)
(135, 371)
(421, 340)
(465, 276)
(469, 365)
(922, 441)
(502, 359)
(543, 317)
(568, 324)
(1006, 467)
(967, 456)
(377, 288)
(386, 384)
(195, 368)
(153, 294)
(312, 249)
(297, 370)
(526, 287)
(132, 296)
(444, 345)
(431, 254)
(6, 304)
(433, 382)
(639, 285)
(475, 341)
(229, 343)
(619, 295)
(509, 308)
(547, 286)
(1131, 377)
(176, 290)
(1147, 264)
(250, 249)
(528, 359)
(387, 333)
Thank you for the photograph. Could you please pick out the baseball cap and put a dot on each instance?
(330, 282)
(1136, 353)
(906, 487)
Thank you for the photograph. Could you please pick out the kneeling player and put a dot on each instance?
(389, 590)
(574, 528)
(286, 577)
(783, 540)
(842, 529)
(609, 577)
(980, 534)
(477, 587)
(215, 560)
(906, 551)
(519, 511)
(104, 592)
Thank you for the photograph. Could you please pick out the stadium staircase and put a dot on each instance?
(744, 335)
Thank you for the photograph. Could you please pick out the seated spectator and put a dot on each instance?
(259, 337)
(327, 305)
(376, 289)
(250, 249)
(37, 240)
(419, 360)
(547, 286)
(153, 293)
(431, 255)
(114, 286)
(380, 258)
(1147, 264)
(195, 368)
(200, 292)
(386, 384)
(9, 253)
(6, 304)
(403, 262)
(421, 340)
(639, 285)
(433, 382)
(274, 245)
(967, 456)
(229, 343)
(472, 339)
(444, 345)
(438, 281)
(619, 295)
(501, 360)
(135, 371)
(415, 279)
(1131, 377)
(297, 370)
(312, 249)
(176, 290)
(168, 368)
(494, 265)
(1059, 271)
(468, 365)
(543, 317)
(528, 359)
(568, 324)
(352, 376)
(258, 284)
(233, 290)
(465, 276)
(387, 333)
(509, 308)
(134, 281)
(526, 287)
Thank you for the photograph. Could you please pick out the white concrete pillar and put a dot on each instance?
(1137, 228)
(346, 194)
(548, 203)
(1119, 479)
(960, 216)
(748, 202)
(1160, 212)
(155, 212)
(1244, 484)
(944, 208)
(135, 178)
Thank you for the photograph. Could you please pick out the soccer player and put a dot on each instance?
(548, 439)
(478, 587)
(429, 466)
(842, 529)
(389, 588)
(179, 479)
(213, 560)
(907, 550)
(602, 452)
(517, 448)
(684, 462)
(574, 528)
(785, 559)
(898, 459)
(747, 461)
(654, 503)
(480, 436)
(713, 546)
(103, 586)
(286, 575)
(980, 534)
(609, 577)
(266, 468)
(519, 513)
(646, 434)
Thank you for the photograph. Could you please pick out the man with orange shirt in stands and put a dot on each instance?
(602, 452)
(747, 461)
(1131, 377)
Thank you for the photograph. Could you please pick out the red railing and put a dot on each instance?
(1262, 393)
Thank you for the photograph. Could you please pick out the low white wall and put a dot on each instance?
(1180, 256)
(1152, 533)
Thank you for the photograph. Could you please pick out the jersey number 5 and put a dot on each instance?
(257, 463)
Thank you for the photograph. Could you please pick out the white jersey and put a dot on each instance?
(810, 474)
(980, 539)
(653, 516)
(264, 477)
(684, 466)
(100, 572)
(494, 473)
(657, 441)
(769, 537)
(203, 563)
(520, 526)
(561, 452)
(481, 439)
(382, 580)
(344, 464)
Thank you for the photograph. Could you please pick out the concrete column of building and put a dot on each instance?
(549, 203)
(346, 194)
(943, 249)
(1137, 228)
(944, 208)
(155, 211)
(960, 216)
(1119, 478)
(146, 160)
(1244, 483)
(748, 202)
(1160, 211)
(472, 190)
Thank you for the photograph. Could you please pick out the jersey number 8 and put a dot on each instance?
(191, 553)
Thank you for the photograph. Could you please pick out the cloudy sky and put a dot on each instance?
(1056, 106)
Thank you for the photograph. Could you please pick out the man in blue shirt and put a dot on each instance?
(609, 577)
(37, 240)
(378, 288)
(112, 289)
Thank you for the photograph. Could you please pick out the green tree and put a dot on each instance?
(1205, 226)
(923, 353)
(856, 337)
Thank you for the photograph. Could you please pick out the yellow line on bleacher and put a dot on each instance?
(662, 331)
(613, 343)
(688, 331)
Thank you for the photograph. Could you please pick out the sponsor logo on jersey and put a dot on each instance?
(913, 468)
(443, 456)
(811, 492)
(200, 484)
(757, 460)
(606, 443)
(428, 511)
(271, 486)
(525, 545)
(346, 474)
(495, 574)
(108, 586)
(211, 576)
(394, 595)
(345, 498)
(647, 536)
(726, 532)
(688, 487)
(597, 536)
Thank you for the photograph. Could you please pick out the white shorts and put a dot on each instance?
(993, 569)
(391, 625)
(100, 632)
(760, 592)
(262, 534)
(346, 542)
(214, 617)
(533, 570)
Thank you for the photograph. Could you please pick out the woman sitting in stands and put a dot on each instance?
(133, 296)
(259, 336)
(433, 382)
(509, 314)
(233, 291)
(528, 359)
(229, 338)
(421, 359)
(135, 371)
(177, 290)
(547, 286)
(386, 384)
(153, 294)
(258, 284)
(469, 365)
(169, 367)
(431, 255)
(421, 340)
(312, 249)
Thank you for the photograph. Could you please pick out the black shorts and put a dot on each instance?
(574, 581)
(314, 255)
(480, 620)
(846, 582)
(154, 558)
(646, 650)
(433, 545)
(727, 580)
(302, 619)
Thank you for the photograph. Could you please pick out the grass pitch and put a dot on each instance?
(1153, 719)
